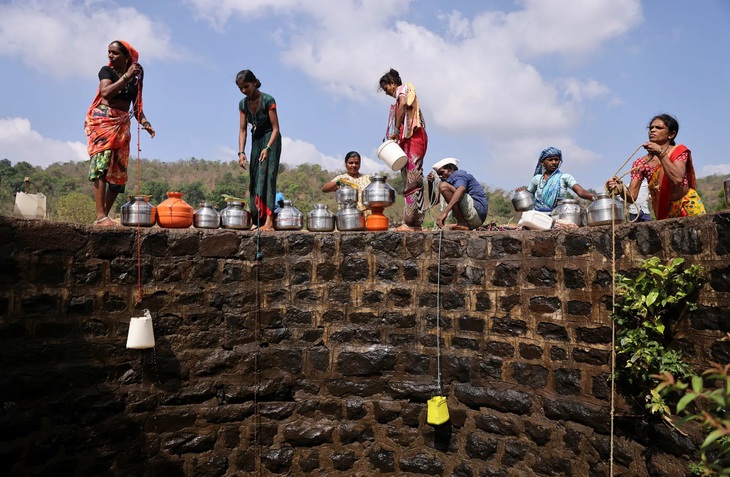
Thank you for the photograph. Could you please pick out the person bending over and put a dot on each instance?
(463, 194)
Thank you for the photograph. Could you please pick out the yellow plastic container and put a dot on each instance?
(438, 411)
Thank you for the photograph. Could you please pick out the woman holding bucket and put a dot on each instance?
(353, 176)
(406, 126)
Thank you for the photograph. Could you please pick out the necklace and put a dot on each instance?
(125, 90)
(251, 103)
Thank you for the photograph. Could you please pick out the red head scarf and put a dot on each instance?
(133, 54)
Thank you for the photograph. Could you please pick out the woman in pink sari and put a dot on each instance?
(668, 169)
(407, 127)
(108, 122)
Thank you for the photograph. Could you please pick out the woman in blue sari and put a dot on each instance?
(549, 184)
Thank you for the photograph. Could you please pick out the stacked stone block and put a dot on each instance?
(319, 357)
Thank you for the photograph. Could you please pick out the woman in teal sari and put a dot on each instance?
(549, 184)
(259, 110)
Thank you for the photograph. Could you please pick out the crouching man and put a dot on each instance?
(464, 196)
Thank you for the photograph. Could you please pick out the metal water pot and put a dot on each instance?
(206, 217)
(288, 217)
(320, 219)
(569, 210)
(726, 185)
(139, 211)
(599, 212)
(378, 193)
(235, 216)
(350, 218)
(523, 200)
(346, 194)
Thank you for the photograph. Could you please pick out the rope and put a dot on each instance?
(627, 160)
(257, 324)
(438, 317)
(139, 169)
(613, 335)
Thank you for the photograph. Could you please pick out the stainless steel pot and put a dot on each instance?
(726, 185)
(569, 210)
(288, 217)
(346, 194)
(350, 218)
(206, 217)
(378, 193)
(235, 216)
(139, 211)
(523, 200)
(320, 219)
(599, 212)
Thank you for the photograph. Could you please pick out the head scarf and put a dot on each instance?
(549, 152)
(133, 54)
(443, 162)
(549, 198)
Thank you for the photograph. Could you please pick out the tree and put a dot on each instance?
(75, 207)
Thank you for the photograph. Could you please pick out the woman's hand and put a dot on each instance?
(654, 149)
(133, 70)
(264, 154)
(242, 160)
(615, 185)
(148, 127)
(520, 188)
(431, 176)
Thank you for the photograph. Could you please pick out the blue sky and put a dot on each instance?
(498, 81)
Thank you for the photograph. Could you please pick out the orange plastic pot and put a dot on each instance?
(376, 221)
(174, 212)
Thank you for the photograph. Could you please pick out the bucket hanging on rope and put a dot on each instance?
(141, 335)
(438, 410)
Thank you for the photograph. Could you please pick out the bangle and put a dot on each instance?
(146, 124)
(241, 152)
(124, 77)
(267, 147)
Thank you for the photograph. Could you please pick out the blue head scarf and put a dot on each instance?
(549, 198)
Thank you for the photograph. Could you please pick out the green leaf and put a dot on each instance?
(684, 402)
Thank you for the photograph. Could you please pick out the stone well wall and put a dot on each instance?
(318, 359)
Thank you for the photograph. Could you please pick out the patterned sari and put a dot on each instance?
(414, 142)
(108, 137)
(660, 189)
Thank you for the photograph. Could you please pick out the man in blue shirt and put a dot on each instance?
(464, 196)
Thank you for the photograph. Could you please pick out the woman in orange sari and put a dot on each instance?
(107, 126)
(668, 169)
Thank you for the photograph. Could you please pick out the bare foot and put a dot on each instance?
(104, 222)
(406, 228)
(267, 228)
(456, 227)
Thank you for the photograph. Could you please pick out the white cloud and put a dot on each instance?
(70, 38)
(480, 74)
(295, 152)
(711, 169)
(20, 142)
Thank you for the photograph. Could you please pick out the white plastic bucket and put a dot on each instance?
(141, 335)
(533, 219)
(391, 153)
